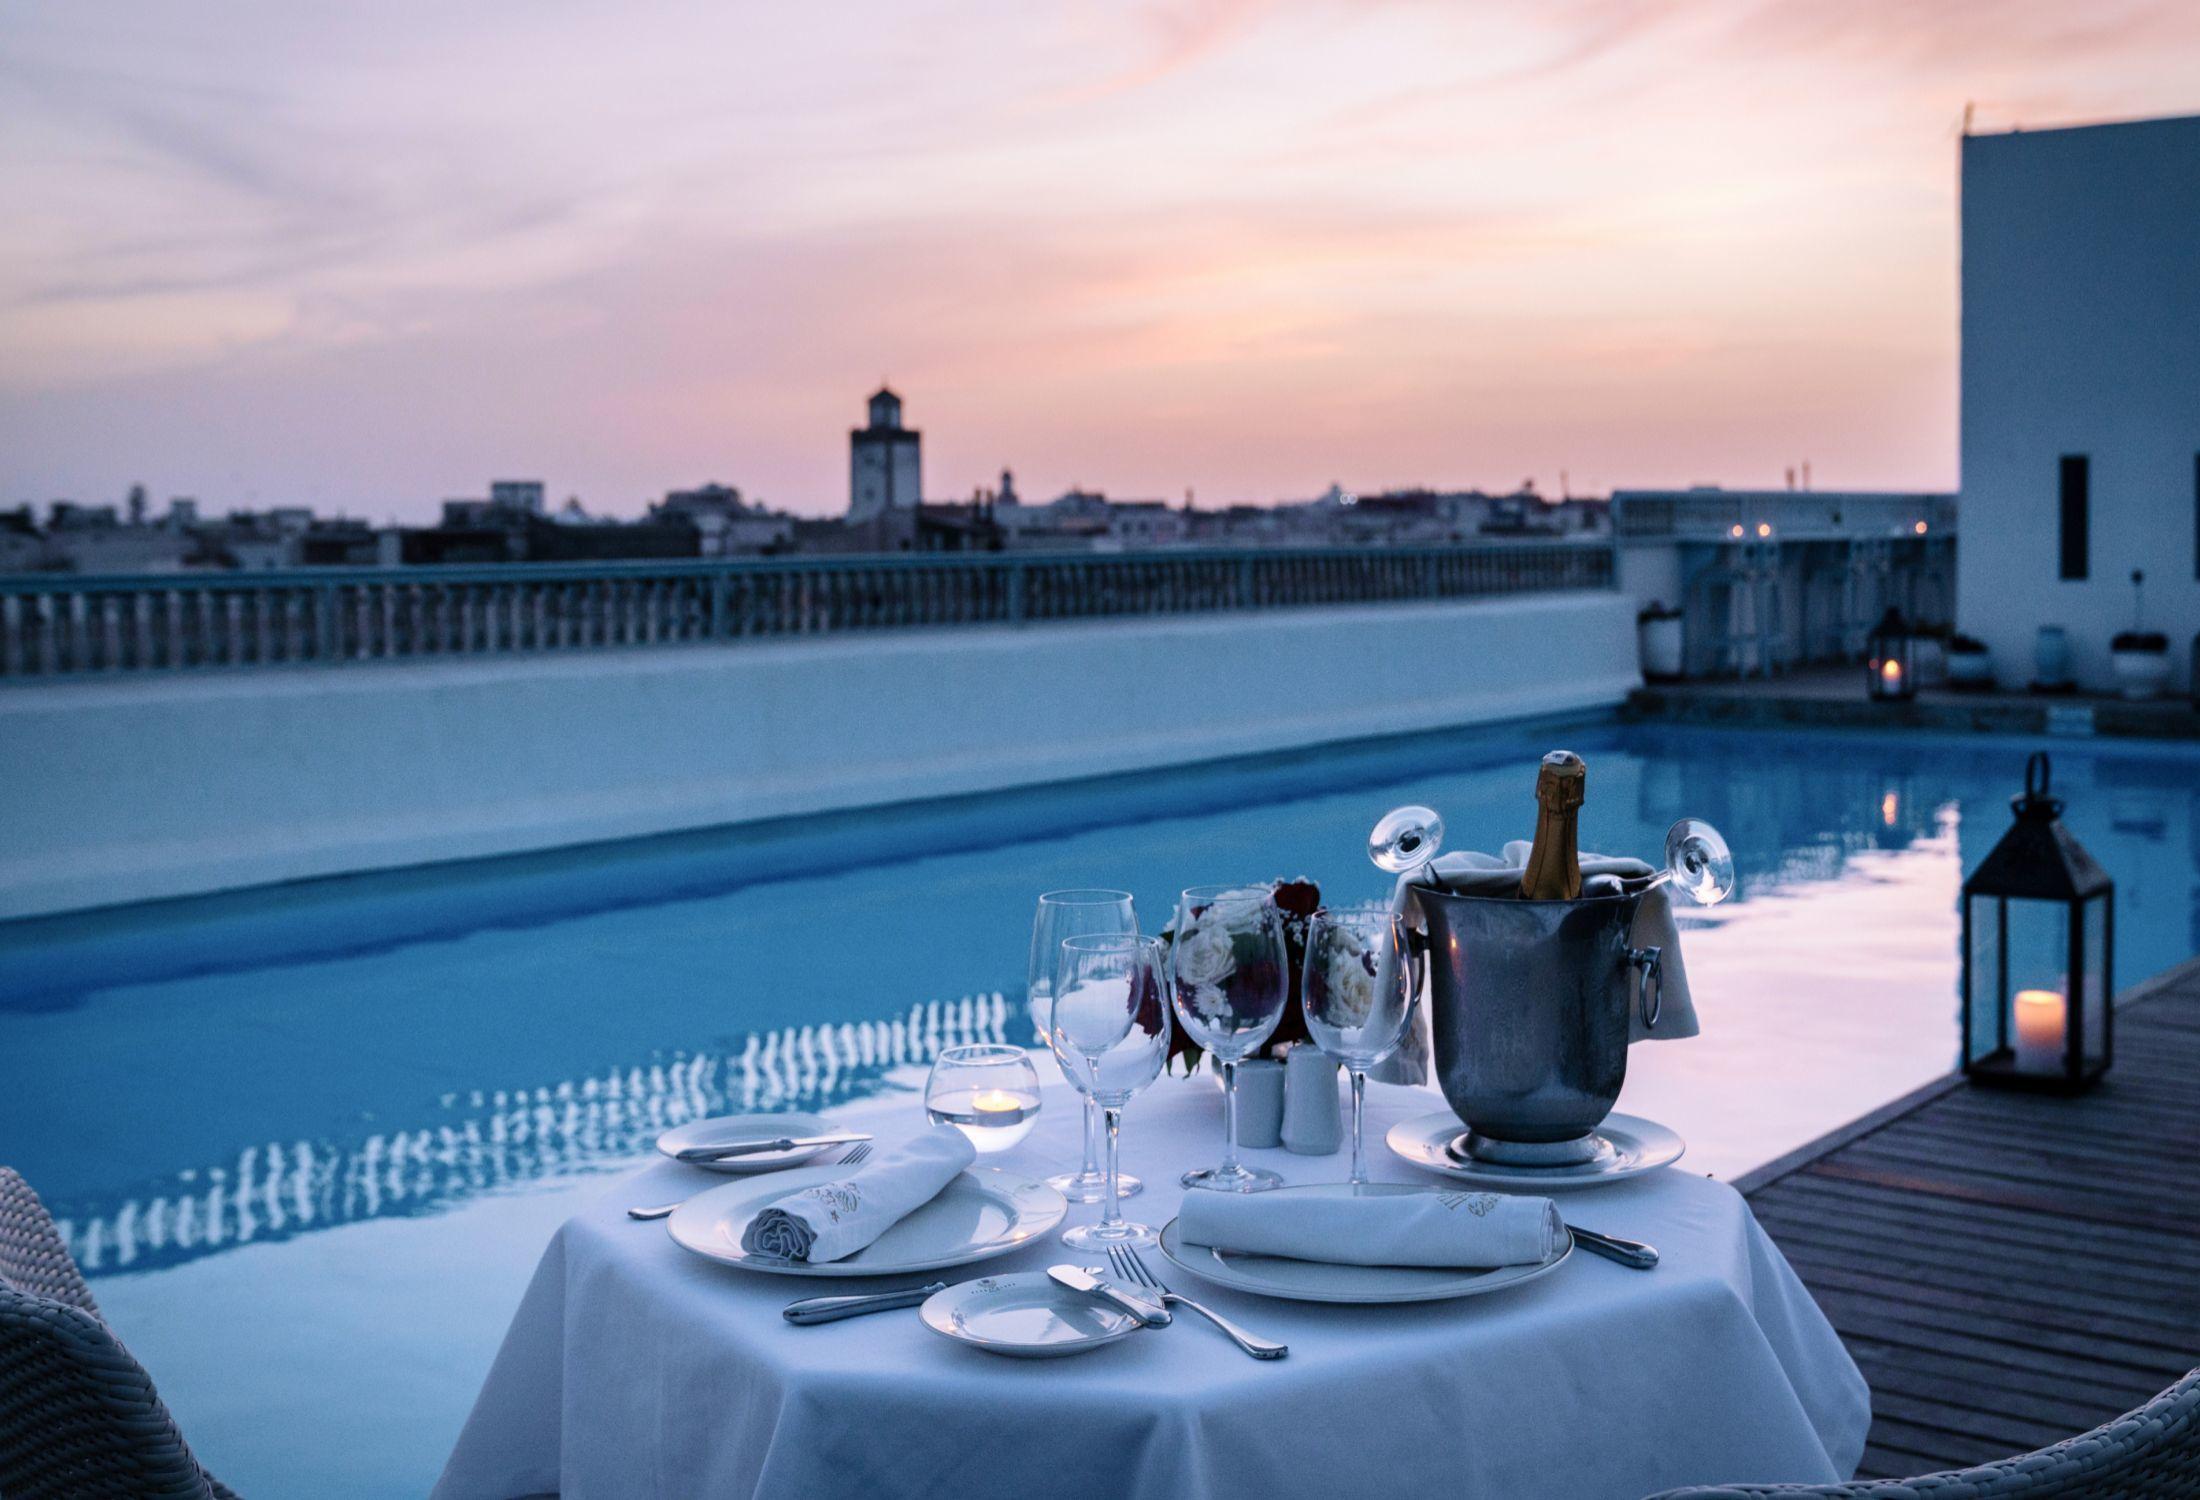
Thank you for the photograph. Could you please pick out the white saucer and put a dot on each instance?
(985, 1212)
(1628, 1147)
(1024, 1316)
(732, 1130)
(1327, 1281)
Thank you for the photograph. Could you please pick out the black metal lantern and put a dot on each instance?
(2039, 951)
(1890, 665)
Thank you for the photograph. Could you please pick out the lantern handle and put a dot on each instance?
(2038, 765)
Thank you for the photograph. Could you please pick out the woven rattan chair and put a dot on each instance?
(2149, 1454)
(79, 1418)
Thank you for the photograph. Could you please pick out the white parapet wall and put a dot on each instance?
(132, 789)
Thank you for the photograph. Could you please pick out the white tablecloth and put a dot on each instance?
(634, 1368)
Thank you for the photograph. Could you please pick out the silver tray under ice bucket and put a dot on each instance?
(1528, 1006)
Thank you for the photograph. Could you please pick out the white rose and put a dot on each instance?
(1204, 956)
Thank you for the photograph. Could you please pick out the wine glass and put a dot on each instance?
(1698, 861)
(1064, 914)
(1110, 1026)
(1229, 981)
(988, 1091)
(1406, 838)
(1358, 992)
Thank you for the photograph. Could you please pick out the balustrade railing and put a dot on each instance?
(65, 624)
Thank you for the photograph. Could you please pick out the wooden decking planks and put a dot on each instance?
(2009, 1270)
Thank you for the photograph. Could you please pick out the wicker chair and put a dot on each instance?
(2149, 1454)
(78, 1416)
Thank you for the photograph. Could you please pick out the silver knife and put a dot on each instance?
(757, 1148)
(1078, 1279)
(832, 1309)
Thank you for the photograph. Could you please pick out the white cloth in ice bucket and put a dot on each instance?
(1471, 873)
(834, 1220)
(1440, 1227)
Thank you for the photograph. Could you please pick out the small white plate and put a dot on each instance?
(1328, 1281)
(732, 1130)
(1024, 1316)
(985, 1212)
(1635, 1146)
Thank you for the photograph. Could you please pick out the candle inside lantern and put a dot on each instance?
(2040, 1016)
(1890, 672)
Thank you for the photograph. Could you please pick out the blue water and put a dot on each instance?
(310, 1142)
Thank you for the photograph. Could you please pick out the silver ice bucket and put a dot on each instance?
(1528, 1006)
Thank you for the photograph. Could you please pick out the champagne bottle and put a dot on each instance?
(1554, 861)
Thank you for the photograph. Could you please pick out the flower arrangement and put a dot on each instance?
(1215, 954)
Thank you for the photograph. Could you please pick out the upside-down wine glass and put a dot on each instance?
(1358, 992)
(1110, 1026)
(1065, 914)
(1229, 979)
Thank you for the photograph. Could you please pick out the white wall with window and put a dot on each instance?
(2081, 391)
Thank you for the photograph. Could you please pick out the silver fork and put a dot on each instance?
(856, 1154)
(1132, 1268)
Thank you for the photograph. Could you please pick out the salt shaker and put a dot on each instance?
(1260, 1085)
(1313, 1125)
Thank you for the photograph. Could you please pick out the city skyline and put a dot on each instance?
(1246, 249)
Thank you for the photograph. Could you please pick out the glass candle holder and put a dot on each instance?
(987, 1091)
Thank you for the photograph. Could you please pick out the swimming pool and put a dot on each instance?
(310, 1142)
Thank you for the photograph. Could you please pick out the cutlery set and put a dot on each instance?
(1126, 1284)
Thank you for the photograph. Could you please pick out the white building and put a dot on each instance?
(884, 471)
(2081, 390)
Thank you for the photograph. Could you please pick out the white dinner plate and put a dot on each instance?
(1025, 1316)
(731, 1130)
(1631, 1147)
(1327, 1281)
(984, 1212)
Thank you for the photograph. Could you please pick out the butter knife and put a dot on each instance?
(1078, 1279)
(757, 1148)
(833, 1309)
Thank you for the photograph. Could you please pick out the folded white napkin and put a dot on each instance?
(1433, 1228)
(1470, 873)
(834, 1220)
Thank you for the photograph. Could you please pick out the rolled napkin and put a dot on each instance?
(834, 1220)
(1439, 1228)
(1475, 874)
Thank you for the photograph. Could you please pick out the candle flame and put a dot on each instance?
(1891, 670)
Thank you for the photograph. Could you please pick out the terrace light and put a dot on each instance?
(1890, 674)
(2039, 938)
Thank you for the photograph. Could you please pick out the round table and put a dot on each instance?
(635, 1368)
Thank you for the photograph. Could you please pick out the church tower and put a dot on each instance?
(884, 472)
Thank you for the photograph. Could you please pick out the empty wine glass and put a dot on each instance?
(1698, 861)
(1358, 992)
(1229, 981)
(1064, 914)
(1110, 1026)
(1406, 838)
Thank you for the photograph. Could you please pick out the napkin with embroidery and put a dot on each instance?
(1434, 1228)
(834, 1220)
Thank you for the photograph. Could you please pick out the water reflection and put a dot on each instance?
(498, 1139)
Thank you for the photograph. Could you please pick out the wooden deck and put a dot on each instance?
(2010, 1269)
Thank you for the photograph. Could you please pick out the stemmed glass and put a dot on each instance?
(1110, 1027)
(1065, 914)
(1229, 979)
(1358, 992)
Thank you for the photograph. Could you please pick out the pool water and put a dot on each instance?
(310, 1142)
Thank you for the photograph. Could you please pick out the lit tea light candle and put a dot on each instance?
(996, 1106)
(2040, 1016)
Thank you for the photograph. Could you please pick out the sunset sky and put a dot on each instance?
(368, 256)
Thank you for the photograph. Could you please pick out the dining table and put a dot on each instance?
(634, 1367)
